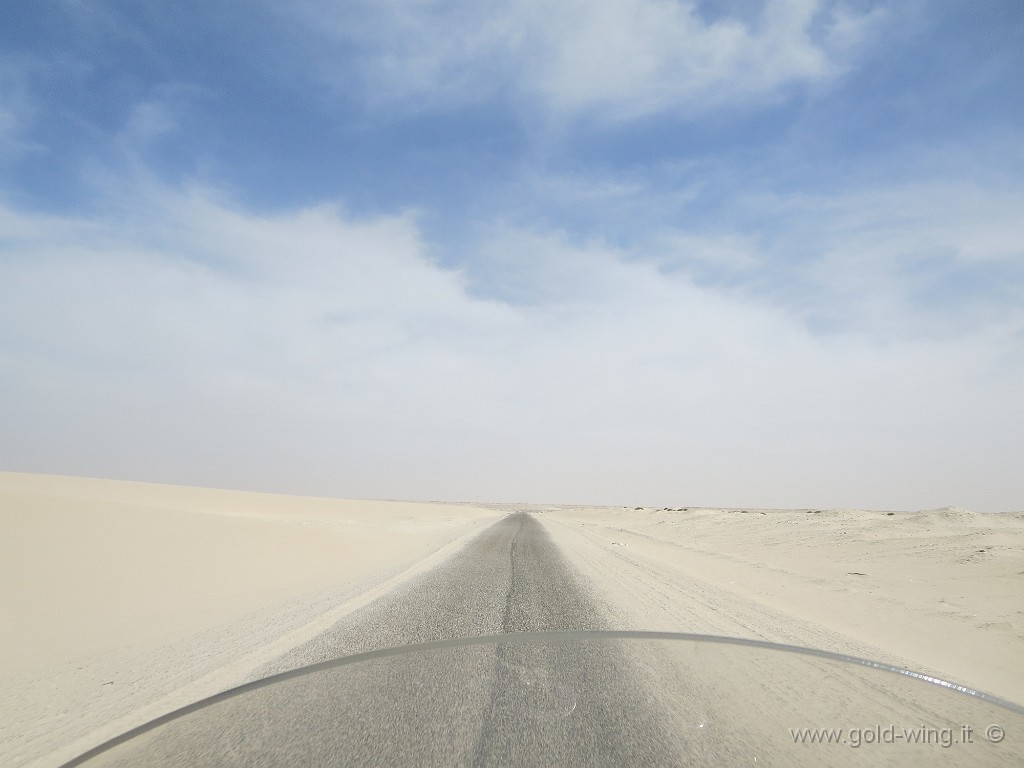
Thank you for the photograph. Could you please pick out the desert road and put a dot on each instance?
(136, 600)
(492, 705)
(556, 703)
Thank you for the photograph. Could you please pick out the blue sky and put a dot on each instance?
(758, 252)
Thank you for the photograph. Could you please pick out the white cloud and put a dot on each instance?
(614, 59)
(935, 257)
(189, 340)
(17, 109)
(930, 259)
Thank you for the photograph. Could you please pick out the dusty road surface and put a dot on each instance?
(480, 702)
(566, 703)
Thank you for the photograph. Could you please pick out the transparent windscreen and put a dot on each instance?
(569, 700)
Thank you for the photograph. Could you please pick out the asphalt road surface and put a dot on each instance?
(508, 704)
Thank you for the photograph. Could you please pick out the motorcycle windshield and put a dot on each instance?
(584, 698)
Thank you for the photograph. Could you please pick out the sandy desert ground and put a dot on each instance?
(940, 591)
(124, 600)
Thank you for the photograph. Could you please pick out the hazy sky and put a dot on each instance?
(667, 252)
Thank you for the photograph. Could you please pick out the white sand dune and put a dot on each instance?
(116, 595)
(123, 600)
